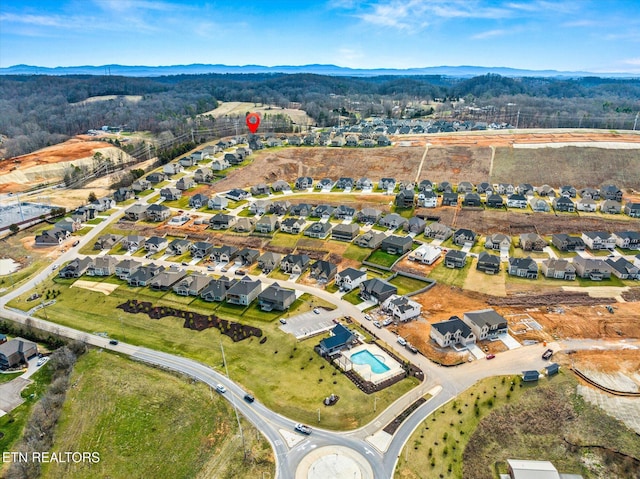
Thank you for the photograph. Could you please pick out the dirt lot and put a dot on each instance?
(626, 361)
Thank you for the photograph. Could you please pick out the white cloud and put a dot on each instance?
(490, 34)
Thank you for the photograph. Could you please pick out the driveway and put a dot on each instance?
(509, 341)
(10, 394)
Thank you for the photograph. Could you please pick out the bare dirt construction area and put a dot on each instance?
(20, 173)
(625, 361)
(104, 288)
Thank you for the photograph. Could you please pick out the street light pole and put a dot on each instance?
(226, 368)
(318, 415)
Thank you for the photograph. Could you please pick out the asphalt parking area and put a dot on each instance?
(309, 324)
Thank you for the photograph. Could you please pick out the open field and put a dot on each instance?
(457, 163)
(145, 422)
(283, 373)
(238, 108)
(495, 420)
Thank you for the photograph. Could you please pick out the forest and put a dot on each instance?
(40, 110)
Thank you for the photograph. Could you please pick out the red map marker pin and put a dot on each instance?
(253, 122)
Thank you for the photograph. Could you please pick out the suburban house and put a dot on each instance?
(525, 189)
(267, 224)
(260, 189)
(158, 212)
(558, 269)
(525, 469)
(455, 259)
(277, 298)
(623, 269)
(170, 194)
(596, 240)
(568, 191)
(345, 183)
(323, 271)
(450, 199)
(247, 256)
(632, 209)
(397, 245)
(185, 183)
(523, 268)
(68, 224)
(438, 231)
(401, 307)
(136, 212)
(155, 244)
(343, 212)
(539, 205)
(143, 275)
(369, 215)
(244, 225)
(627, 239)
(165, 280)
(224, 253)
(393, 221)
(424, 186)
(427, 199)
(488, 263)
(465, 187)
(221, 221)
(484, 187)
(415, 225)
(75, 268)
(405, 199)
(341, 337)
(107, 241)
(505, 189)
(304, 183)
(546, 190)
(172, 169)
(126, 268)
(325, 184)
(472, 199)
(322, 211)
(203, 175)
(201, 249)
(364, 184)
(198, 200)
(611, 192)
(498, 241)
(344, 232)
(302, 209)
(318, 230)
(178, 247)
(237, 194)
(218, 203)
(16, 351)
(269, 261)
(516, 201)
(155, 178)
(219, 164)
(292, 225)
(495, 201)
(563, 204)
(123, 194)
(587, 204)
(192, 285)
(280, 185)
(280, 208)
(591, 268)
(295, 263)
(444, 187)
(188, 161)
(532, 242)
(464, 237)
(611, 207)
(102, 266)
(565, 242)
(216, 290)
(485, 323)
(350, 278)
(376, 290)
(451, 332)
(133, 242)
(425, 254)
(244, 291)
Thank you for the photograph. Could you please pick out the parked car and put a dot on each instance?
(303, 429)
(54, 267)
(490, 356)
(283, 321)
(76, 242)
(402, 341)
(316, 310)
(387, 322)
(368, 317)
(41, 361)
(547, 354)
(220, 388)
(113, 342)
(249, 398)
(240, 272)
(377, 324)
(412, 348)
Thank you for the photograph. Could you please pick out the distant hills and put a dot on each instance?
(332, 70)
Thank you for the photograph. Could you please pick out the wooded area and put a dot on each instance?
(40, 110)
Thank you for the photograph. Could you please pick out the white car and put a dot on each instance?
(220, 388)
(303, 429)
(377, 324)
(402, 341)
(41, 361)
(367, 317)
(54, 267)
(316, 310)
(387, 322)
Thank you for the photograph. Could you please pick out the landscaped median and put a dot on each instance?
(286, 375)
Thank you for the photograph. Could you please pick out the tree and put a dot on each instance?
(14, 228)
(92, 197)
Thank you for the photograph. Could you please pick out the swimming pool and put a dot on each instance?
(365, 357)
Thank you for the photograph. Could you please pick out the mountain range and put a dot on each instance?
(332, 70)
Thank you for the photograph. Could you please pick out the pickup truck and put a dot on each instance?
(547, 354)
(303, 429)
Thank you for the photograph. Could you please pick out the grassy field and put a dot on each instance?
(493, 284)
(450, 276)
(146, 422)
(6, 377)
(495, 420)
(382, 258)
(407, 285)
(285, 240)
(12, 424)
(283, 373)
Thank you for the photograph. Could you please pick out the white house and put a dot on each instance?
(350, 278)
(450, 332)
(401, 307)
(425, 254)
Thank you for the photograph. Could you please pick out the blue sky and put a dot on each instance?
(570, 35)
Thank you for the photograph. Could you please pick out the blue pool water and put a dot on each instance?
(365, 357)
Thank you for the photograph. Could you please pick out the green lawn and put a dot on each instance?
(407, 285)
(404, 212)
(353, 296)
(285, 240)
(290, 386)
(6, 377)
(153, 424)
(95, 221)
(382, 258)
(450, 276)
(182, 203)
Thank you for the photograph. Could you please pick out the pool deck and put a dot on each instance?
(364, 370)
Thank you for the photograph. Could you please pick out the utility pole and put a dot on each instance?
(635, 122)
(192, 138)
(226, 368)
(517, 119)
